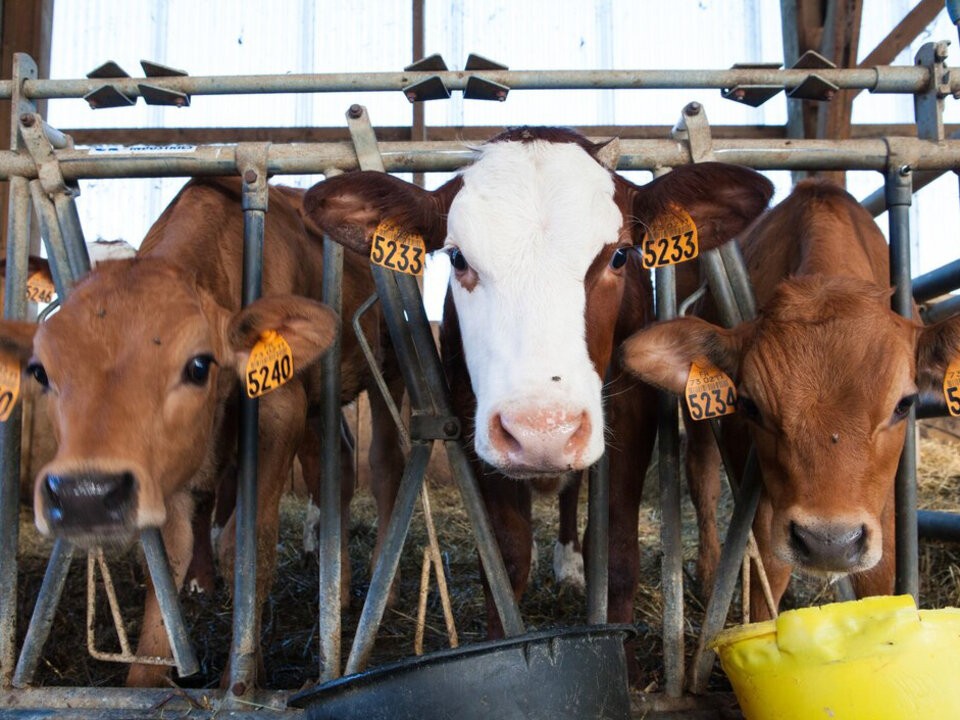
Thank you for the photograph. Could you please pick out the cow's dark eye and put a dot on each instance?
(619, 258)
(748, 408)
(197, 370)
(39, 374)
(903, 407)
(457, 259)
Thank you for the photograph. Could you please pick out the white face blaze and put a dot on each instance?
(529, 219)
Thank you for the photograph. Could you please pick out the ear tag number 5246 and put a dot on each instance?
(397, 249)
(270, 364)
(671, 238)
(709, 392)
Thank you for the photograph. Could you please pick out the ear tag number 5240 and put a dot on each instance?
(951, 388)
(397, 249)
(709, 392)
(671, 238)
(270, 364)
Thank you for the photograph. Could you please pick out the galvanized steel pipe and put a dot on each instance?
(899, 195)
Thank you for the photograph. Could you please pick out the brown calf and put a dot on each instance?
(544, 285)
(141, 367)
(825, 376)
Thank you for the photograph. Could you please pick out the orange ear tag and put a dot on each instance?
(270, 364)
(40, 288)
(951, 387)
(671, 238)
(10, 374)
(709, 392)
(397, 249)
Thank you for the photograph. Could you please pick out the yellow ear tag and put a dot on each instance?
(709, 392)
(10, 374)
(270, 364)
(397, 249)
(39, 288)
(951, 387)
(671, 238)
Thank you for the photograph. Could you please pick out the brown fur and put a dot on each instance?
(722, 200)
(114, 356)
(825, 364)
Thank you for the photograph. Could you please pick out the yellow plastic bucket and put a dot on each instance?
(873, 659)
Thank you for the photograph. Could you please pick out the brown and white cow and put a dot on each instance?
(543, 287)
(141, 367)
(825, 376)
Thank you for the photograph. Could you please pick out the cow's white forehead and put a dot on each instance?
(533, 202)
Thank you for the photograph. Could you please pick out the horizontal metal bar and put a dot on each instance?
(159, 702)
(938, 525)
(935, 312)
(883, 79)
(430, 156)
(937, 282)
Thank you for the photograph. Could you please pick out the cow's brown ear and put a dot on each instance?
(938, 346)
(662, 353)
(308, 327)
(349, 208)
(722, 199)
(16, 339)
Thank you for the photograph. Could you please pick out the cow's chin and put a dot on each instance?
(89, 538)
(868, 560)
(548, 482)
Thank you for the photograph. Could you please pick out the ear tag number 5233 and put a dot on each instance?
(671, 238)
(397, 249)
(951, 388)
(270, 364)
(709, 392)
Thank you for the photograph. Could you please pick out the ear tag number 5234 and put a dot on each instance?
(671, 238)
(951, 388)
(270, 364)
(397, 249)
(709, 392)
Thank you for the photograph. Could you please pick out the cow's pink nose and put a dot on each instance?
(541, 439)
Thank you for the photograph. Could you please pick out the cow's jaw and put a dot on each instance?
(530, 219)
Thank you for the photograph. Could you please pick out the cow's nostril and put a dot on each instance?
(52, 483)
(115, 498)
(798, 541)
(501, 438)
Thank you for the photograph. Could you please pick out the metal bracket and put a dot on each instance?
(434, 427)
(107, 96)
(480, 88)
(251, 161)
(694, 128)
(153, 95)
(40, 140)
(752, 95)
(432, 88)
(928, 105)
(814, 87)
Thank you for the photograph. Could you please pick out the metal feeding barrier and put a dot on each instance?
(43, 166)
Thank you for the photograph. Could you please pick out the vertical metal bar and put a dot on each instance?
(598, 525)
(246, 622)
(899, 195)
(668, 434)
(330, 483)
(42, 619)
(389, 560)
(727, 571)
(72, 233)
(18, 232)
(14, 308)
(60, 267)
(166, 590)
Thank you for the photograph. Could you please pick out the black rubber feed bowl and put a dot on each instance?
(571, 673)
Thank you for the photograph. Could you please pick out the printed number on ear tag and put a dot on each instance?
(671, 238)
(39, 288)
(270, 364)
(397, 249)
(709, 392)
(951, 388)
(10, 374)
